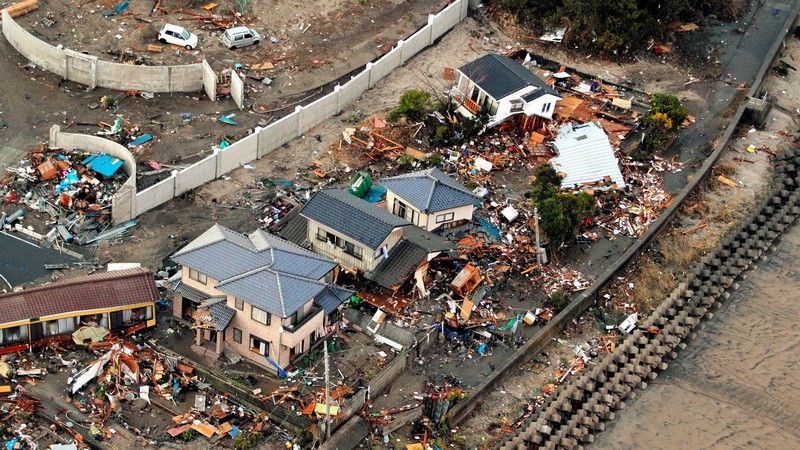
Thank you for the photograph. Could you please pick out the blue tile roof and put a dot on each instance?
(499, 76)
(265, 270)
(330, 299)
(351, 216)
(430, 190)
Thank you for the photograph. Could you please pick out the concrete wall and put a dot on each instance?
(209, 81)
(88, 70)
(237, 89)
(124, 201)
(199, 76)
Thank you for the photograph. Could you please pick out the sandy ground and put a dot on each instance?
(735, 385)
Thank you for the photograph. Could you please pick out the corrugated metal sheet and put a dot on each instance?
(585, 155)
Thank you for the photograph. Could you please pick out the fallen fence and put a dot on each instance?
(93, 72)
(582, 303)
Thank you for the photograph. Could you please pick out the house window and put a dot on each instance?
(400, 208)
(446, 217)
(326, 236)
(322, 235)
(546, 107)
(197, 276)
(353, 250)
(237, 335)
(239, 304)
(516, 105)
(259, 346)
(261, 316)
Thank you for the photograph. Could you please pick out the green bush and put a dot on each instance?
(559, 300)
(413, 105)
(669, 105)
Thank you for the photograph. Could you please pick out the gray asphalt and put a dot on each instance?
(22, 261)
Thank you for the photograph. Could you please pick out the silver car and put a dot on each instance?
(239, 37)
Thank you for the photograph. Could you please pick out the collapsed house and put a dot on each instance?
(430, 199)
(505, 87)
(260, 296)
(585, 158)
(363, 237)
(50, 313)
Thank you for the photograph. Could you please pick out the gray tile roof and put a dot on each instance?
(272, 291)
(430, 190)
(257, 267)
(499, 76)
(222, 313)
(188, 292)
(402, 260)
(351, 216)
(427, 241)
(295, 230)
(330, 299)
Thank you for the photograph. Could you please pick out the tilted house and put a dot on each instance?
(112, 300)
(506, 87)
(259, 295)
(362, 237)
(429, 199)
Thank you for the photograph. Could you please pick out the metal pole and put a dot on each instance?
(327, 396)
(538, 247)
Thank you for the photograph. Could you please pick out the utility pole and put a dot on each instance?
(327, 395)
(538, 247)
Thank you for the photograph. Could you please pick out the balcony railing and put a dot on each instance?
(315, 310)
(471, 106)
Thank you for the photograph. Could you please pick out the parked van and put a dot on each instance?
(239, 37)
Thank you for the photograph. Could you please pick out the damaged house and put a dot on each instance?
(259, 296)
(51, 313)
(505, 87)
(429, 199)
(364, 238)
(586, 158)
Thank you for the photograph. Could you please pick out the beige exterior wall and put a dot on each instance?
(428, 221)
(280, 344)
(368, 261)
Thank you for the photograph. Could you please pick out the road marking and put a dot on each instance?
(20, 239)
(4, 279)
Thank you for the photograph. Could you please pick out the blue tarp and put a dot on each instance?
(103, 164)
(69, 179)
(375, 193)
(140, 140)
(281, 372)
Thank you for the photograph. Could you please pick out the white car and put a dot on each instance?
(173, 34)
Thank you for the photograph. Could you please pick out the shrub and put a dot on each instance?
(413, 105)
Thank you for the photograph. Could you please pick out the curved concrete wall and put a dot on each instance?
(123, 206)
(92, 72)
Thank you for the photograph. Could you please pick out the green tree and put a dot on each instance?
(669, 105)
(546, 184)
(413, 105)
(563, 214)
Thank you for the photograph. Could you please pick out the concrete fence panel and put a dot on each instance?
(317, 112)
(416, 43)
(34, 49)
(188, 78)
(196, 175)
(241, 152)
(351, 90)
(237, 89)
(155, 195)
(81, 68)
(123, 204)
(278, 133)
(386, 64)
(447, 19)
(209, 81)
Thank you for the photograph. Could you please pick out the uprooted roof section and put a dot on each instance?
(499, 77)
(430, 190)
(352, 216)
(585, 157)
(86, 293)
(269, 272)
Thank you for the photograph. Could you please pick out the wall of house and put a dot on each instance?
(535, 107)
(337, 253)
(280, 343)
(388, 205)
(390, 241)
(209, 288)
(428, 221)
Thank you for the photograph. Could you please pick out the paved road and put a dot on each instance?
(22, 261)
